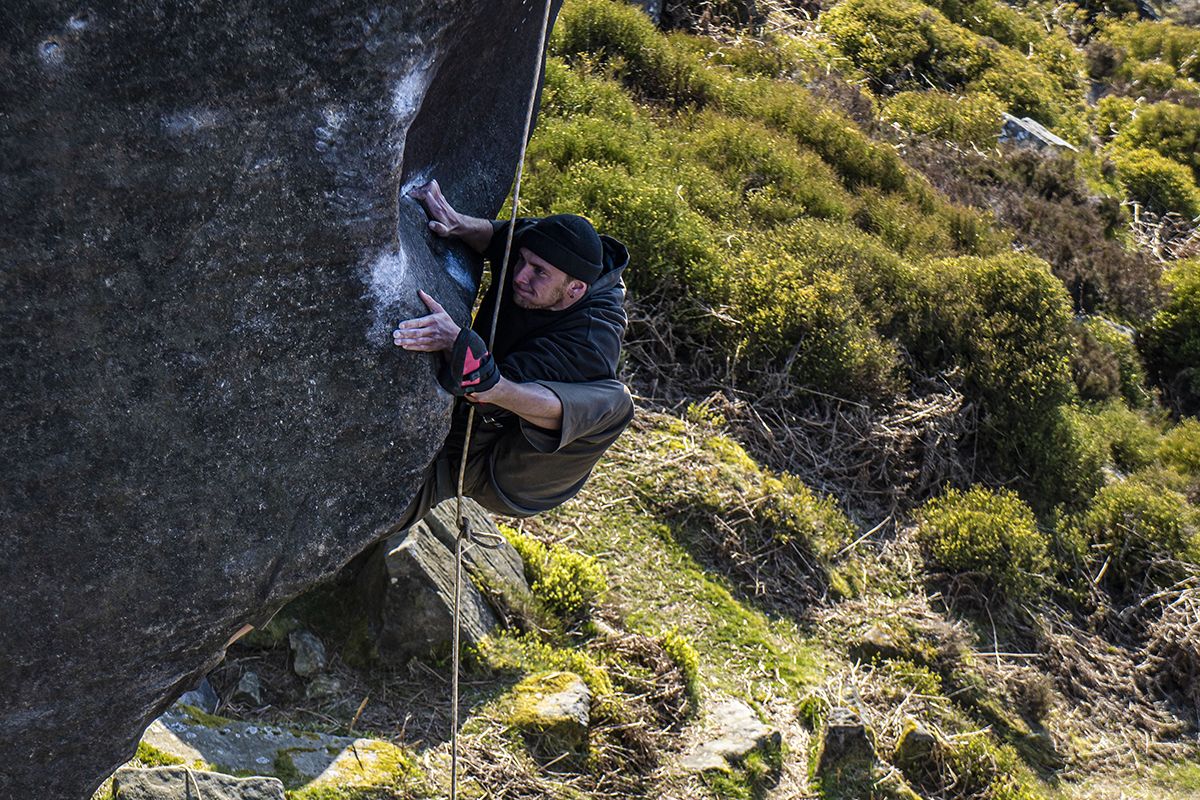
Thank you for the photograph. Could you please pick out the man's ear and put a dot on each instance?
(576, 288)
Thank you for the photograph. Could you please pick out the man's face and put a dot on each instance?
(539, 285)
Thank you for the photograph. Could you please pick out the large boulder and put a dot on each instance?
(204, 241)
(407, 584)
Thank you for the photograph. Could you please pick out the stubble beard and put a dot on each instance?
(529, 304)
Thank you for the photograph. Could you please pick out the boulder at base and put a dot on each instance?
(407, 584)
(182, 783)
(205, 241)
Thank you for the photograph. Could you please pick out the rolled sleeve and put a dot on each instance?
(589, 408)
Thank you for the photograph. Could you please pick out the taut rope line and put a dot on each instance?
(464, 531)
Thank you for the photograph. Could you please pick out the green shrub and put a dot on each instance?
(1171, 341)
(1135, 526)
(1005, 321)
(792, 110)
(805, 319)
(1174, 44)
(1128, 440)
(1153, 75)
(1026, 88)
(1105, 363)
(881, 280)
(1059, 460)
(886, 38)
(966, 119)
(990, 533)
(1171, 130)
(1111, 114)
(621, 36)
(1157, 182)
(1180, 447)
(780, 180)
(989, 18)
(892, 218)
(568, 583)
(894, 41)
(568, 92)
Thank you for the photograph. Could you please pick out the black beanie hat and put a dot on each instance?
(570, 243)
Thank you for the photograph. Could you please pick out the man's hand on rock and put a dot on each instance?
(444, 221)
(429, 334)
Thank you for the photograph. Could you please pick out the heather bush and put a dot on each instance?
(1141, 532)
(1111, 114)
(1152, 75)
(991, 535)
(886, 38)
(626, 39)
(799, 317)
(1157, 182)
(779, 180)
(1028, 90)
(1051, 213)
(1180, 448)
(891, 217)
(898, 42)
(1005, 322)
(1128, 440)
(881, 281)
(1174, 44)
(1171, 130)
(1105, 363)
(1171, 341)
(787, 108)
(995, 19)
(965, 119)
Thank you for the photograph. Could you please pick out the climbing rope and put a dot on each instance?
(464, 529)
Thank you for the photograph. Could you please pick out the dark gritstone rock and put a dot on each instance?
(407, 584)
(204, 242)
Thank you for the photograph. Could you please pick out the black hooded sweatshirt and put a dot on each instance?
(580, 343)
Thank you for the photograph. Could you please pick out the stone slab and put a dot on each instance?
(180, 783)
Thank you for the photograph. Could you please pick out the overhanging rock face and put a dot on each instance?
(204, 242)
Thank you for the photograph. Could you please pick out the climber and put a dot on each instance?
(548, 402)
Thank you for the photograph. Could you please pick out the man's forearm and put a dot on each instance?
(531, 402)
(475, 232)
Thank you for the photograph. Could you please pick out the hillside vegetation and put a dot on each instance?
(917, 433)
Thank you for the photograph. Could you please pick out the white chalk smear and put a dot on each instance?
(388, 285)
(390, 291)
(190, 121)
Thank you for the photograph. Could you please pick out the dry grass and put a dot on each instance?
(1167, 237)
(876, 460)
(1170, 663)
(879, 461)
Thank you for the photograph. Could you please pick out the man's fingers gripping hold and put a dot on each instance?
(431, 304)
